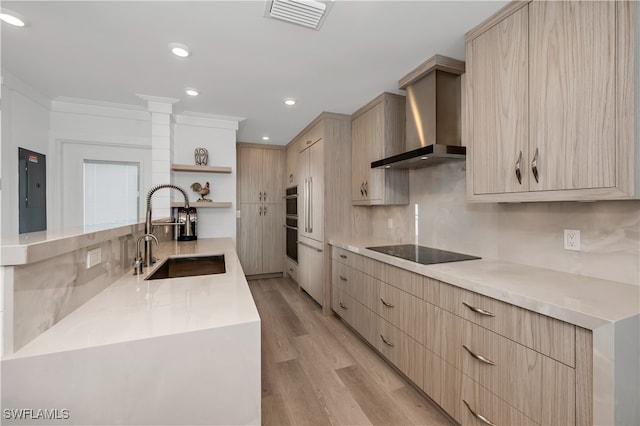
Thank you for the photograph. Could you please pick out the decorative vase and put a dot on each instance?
(202, 156)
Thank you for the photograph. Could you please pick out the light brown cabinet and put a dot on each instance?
(377, 131)
(549, 89)
(323, 200)
(479, 357)
(292, 154)
(260, 232)
(311, 195)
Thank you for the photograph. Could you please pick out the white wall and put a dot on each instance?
(25, 124)
(86, 130)
(218, 136)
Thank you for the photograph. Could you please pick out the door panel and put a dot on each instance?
(498, 77)
(249, 175)
(316, 173)
(250, 238)
(572, 94)
(273, 234)
(273, 175)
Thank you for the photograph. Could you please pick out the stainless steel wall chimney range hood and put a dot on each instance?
(433, 126)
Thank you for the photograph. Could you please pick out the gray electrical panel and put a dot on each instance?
(32, 192)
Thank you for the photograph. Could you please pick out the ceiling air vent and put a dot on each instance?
(308, 13)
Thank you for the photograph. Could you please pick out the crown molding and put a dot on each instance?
(190, 118)
(99, 108)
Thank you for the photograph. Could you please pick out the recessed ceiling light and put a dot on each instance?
(265, 138)
(424, 158)
(180, 50)
(290, 101)
(191, 91)
(12, 18)
(387, 167)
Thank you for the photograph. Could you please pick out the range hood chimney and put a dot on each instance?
(433, 128)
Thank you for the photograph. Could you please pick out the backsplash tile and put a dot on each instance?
(527, 233)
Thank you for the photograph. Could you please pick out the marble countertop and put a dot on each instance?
(132, 308)
(35, 246)
(580, 300)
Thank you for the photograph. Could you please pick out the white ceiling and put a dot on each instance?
(243, 64)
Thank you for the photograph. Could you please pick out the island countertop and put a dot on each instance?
(133, 308)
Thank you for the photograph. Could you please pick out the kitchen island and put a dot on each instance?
(167, 351)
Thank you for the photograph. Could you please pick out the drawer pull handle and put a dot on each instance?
(343, 307)
(480, 417)
(478, 310)
(385, 303)
(343, 278)
(344, 256)
(385, 341)
(478, 357)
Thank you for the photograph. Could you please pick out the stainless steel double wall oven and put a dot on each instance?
(291, 222)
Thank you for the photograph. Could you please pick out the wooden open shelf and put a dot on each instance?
(203, 169)
(201, 204)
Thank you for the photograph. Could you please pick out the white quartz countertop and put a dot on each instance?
(132, 308)
(580, 300)
(35, 246)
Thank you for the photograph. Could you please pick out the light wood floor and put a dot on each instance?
(316, 371)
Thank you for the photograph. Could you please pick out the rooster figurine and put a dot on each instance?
(202, 190)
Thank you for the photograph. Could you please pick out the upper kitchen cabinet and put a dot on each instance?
(550, 103)
(378, 131)
(260, 174)
(292, 154)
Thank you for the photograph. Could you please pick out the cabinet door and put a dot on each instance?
(497, 75)
(311, 263)
(303, 192)
(272, 238)
(374, 178)
(272, 180)
(572, 94)
(250, 175)
(250, 238)
(293, 154)
(358, 152)
(316, 191)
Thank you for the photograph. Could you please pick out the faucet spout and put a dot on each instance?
(147, 223)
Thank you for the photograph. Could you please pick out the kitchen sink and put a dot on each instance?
(190, 266)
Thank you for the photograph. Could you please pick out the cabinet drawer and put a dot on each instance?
(343, 305)
(346, 277)
(403, 310)
(347, 257)
(404, 280)
(544, 334)
(292, 269)
(404, 352)
(476, 401)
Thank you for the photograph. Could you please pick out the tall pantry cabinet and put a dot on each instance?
(260, 235)
(324, 201)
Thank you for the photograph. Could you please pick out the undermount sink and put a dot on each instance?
(177, 267)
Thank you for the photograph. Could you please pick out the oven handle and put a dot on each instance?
(291, 227)
(290, 197)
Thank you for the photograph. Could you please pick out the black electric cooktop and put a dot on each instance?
(420, 254)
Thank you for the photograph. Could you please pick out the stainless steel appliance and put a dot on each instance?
(291, 223)
(186, 217)
(421, 254)
(433, 116)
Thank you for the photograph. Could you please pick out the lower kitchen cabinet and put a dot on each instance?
(482, 360)
(311, 271)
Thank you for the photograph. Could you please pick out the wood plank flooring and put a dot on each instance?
(316, 371)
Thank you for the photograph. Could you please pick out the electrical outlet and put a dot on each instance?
(572, 239)
(94, 257)
(390, 223)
